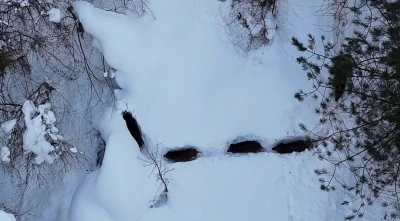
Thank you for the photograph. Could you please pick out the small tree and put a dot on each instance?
(359, 90)
(154, 159)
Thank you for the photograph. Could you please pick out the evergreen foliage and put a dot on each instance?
(362, 108)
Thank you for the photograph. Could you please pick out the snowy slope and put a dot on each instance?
(188, 81)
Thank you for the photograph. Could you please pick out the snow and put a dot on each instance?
(6, 216)
(33, 138)
(73, 150)
(257, 187)
(5, 130)
(54, 15)
(5, 154)
(120, 189)
(24, 3)
(39, 123)
(7, 126)
(186, 79)
(49, 117)
(54, 129)
(182, 74)
(217, 187)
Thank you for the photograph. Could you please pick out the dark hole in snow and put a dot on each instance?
(293, 146)
(182, 155)
(249, 146)
(133, 128)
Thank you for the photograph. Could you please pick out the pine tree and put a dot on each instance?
(362, 108)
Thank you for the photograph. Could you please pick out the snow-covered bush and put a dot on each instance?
(136, 8)
(41, 137)
(34, 133)
(33, 154)
(255, 17)
(5, 130)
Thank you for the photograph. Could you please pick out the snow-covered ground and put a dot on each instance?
(6, 216)
(187, 80)
(182, 74)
